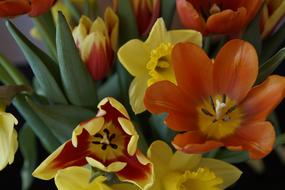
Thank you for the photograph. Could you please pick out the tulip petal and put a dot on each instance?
(164, 96)
(125, 186)
(14, 7)
(257, 138)
(229, 173)
(264, 98)
(40, 7)
(193, 70)
(134, 56)
(235, 69)
(194, 142)
(189, 16)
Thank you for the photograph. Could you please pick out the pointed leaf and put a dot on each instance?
(61, 120)
(28, 148)
(78, 84)
(41, 69)
(73, 10)
(232, 156)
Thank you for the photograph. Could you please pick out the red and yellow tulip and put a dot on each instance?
(272, 14)
(214, 103)
(107, 142)
(11, 8)
(97, 42)
(217, 16)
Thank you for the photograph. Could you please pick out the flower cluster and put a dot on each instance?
(131, 101)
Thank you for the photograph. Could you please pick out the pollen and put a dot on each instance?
(218, 116)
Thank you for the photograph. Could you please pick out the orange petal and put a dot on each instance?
(40, 7)
(264, 98)
(257, 138)
(227, 21)
(235, 69)
(252, 7)
(189, 16)
(164, 96)
(14, 7)
(194, 142)
(193, 70)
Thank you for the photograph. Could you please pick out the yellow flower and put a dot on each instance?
(77, 178)
(8, 138)
(179, 171)
(149, 61)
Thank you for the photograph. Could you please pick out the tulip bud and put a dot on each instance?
(97, 42)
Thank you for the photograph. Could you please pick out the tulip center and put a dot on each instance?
(219, 116)
(202, 179)
(159, 65)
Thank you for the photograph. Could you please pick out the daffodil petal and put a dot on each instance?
(157, 35)
(186, 36)
(181, 161)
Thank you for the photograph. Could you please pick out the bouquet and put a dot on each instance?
(143, 94)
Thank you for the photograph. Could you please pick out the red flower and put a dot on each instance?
(217, 16)
(11, 8)
(214, 104)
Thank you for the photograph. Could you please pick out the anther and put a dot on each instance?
(206, 112)
(231, 109)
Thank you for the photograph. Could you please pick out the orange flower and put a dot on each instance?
(214, 104)
(11, 8)
(146, 13)
(107, 142)
(217, 16)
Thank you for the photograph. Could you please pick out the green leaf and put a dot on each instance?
(41, 65)
(73, 10)
(270, 65)
(77, 82)
(110, 88)
(13, 72)
(167, 11)
(61, 119)
(28, 148)
(232, 156)
(275, 122)
(280, 140)
(253, 34)
(128, 27)
(48, 140)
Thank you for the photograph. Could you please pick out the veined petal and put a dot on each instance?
(134, 56)
(8, 139)
(256, 137)
(229, 173)
(193, 70)
(235, 69)
(77, 178)
(14, 7)
(157, 35)
(39, 7)
(264, 98)
(137, 91)
(192, 36)
(194, 142)
(189, 16)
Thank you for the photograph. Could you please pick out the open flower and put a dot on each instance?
(8, 138)
(78, 178)
(214, 104)
(10, 8)
(146, 13)
(272, 14)
(178, 170)
(97, 42)
(149, 61)
(107, 142)
(219, 17)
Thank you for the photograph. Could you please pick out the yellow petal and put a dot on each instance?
(136, 93)
(229, 173)
(113, 167)
(181, 161)
(115, 104)
(99, 26)
(125, 186)
(112, 22)
(8, 139)
(77, 178)
(186, 36)
(134, 56)
(157, 35)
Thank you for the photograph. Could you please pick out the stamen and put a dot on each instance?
(96, 142)
(114, 146)
(215, 9)
(212, 103)
(112, 137)
(98, 135)
(104, 146)
(231, 109)
(219, 108)
(206, 112)
(224, 98)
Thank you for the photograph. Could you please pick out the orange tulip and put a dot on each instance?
(146, 13)
(11, 8)
(217, 16)
(214, 104)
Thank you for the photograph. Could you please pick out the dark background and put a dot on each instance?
(272, 178)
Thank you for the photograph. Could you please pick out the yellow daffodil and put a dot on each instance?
(8, 138)
(149, 61)
(272, 13)
(78, 178)
(180, 171)
(97, 42)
